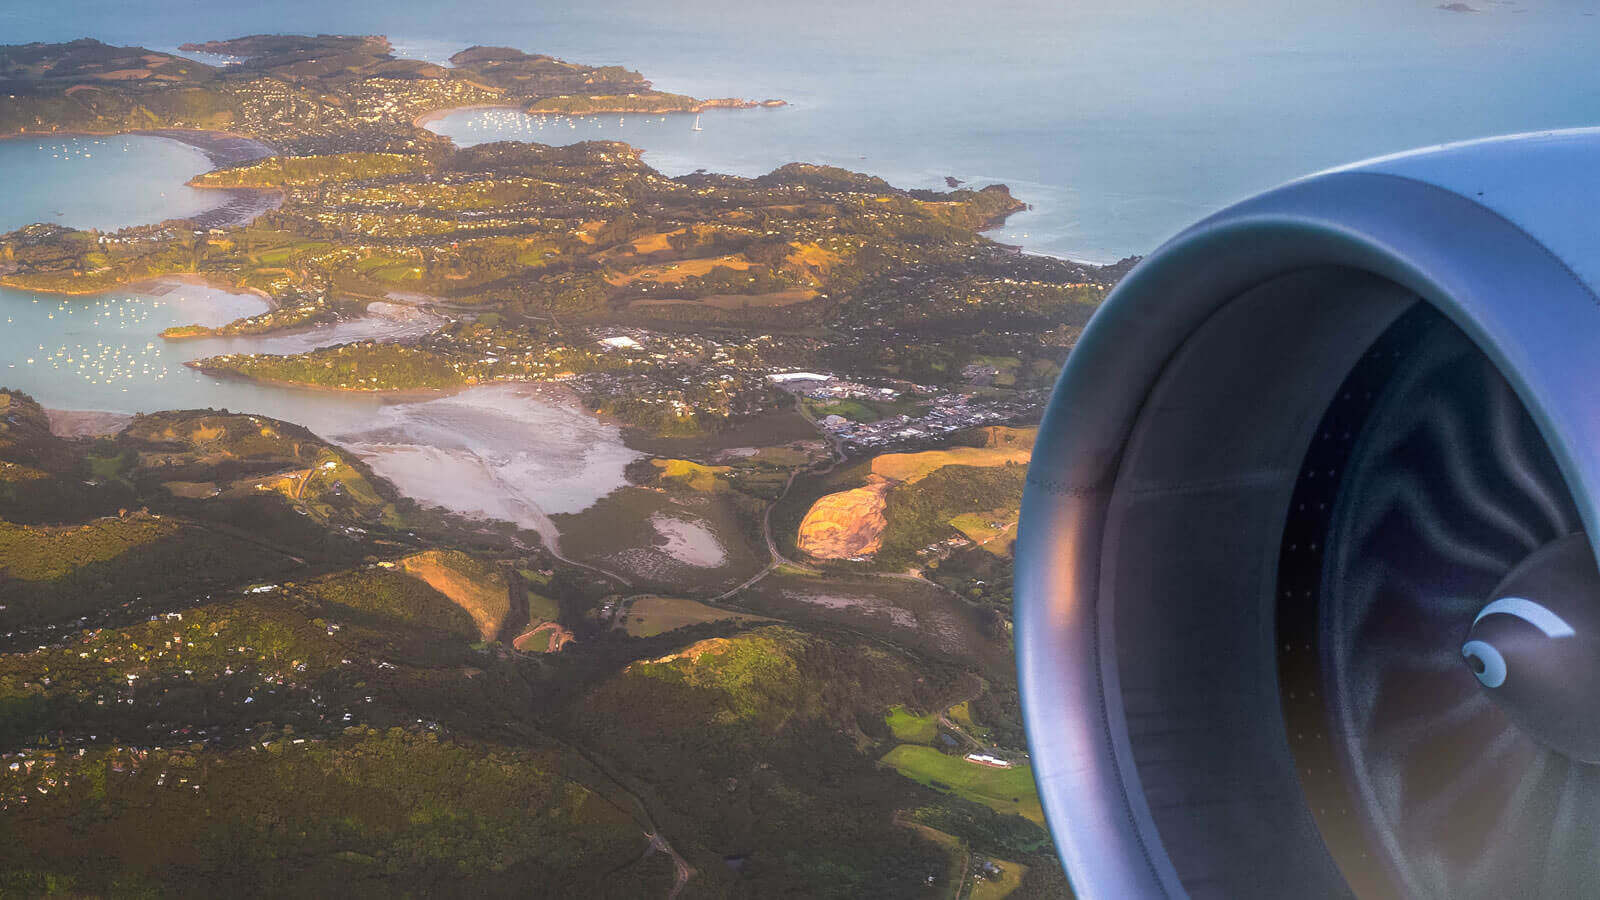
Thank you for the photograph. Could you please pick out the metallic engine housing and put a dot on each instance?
(1146, 555)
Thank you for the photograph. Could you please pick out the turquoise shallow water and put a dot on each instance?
(102, 352)
(136, 179)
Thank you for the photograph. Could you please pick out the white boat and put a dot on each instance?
(697, 123)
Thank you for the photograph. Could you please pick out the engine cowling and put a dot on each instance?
(1290, 467)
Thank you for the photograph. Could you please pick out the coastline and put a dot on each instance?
(143, 284)
(222, 148)
(385, 393)
(327, 326)
(698, 107)
(201, 279)
(435, 115)
(243, 206)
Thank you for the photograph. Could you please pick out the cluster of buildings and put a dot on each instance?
(688, 374)
(935, 411)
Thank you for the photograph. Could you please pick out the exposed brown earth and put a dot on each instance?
(848, 523)
(483, 594)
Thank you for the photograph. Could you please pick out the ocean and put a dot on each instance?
(1121, 121)
(1119, 125)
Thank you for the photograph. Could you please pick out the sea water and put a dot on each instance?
(1121, 121)
(505, 451)
(139, 180)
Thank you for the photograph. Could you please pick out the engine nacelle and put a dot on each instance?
(1291, 465)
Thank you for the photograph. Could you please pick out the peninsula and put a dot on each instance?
(234, 655)
(808, 266)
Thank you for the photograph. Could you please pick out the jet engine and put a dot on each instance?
(1306, 595)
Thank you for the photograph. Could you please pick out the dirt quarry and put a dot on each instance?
(846, 524)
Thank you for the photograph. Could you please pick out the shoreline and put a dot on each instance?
(422, 120)
(434, 115)
(200, 279)
(311, 328)
(222, 148)
(735, 103)
(243, 206)
(997, 223)
(384, 393)
(141, 284)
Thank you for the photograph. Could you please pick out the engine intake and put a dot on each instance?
(1295, 455)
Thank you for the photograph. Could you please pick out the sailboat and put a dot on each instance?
(697, 123)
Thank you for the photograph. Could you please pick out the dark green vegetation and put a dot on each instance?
(267, 675)
(187, 601)
(547, 243)
(367, 366)
(808, 266)
(373, 812)
(775, 718)
(302, 94)
(919, 514)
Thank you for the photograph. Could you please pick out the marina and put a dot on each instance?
(130, 179)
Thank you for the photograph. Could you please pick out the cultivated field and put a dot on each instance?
(1007, 791)
(653, 615)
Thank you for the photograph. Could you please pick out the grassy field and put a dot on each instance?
(672, 273)
(910, 728)
(653, 615)
(961, 713)
(1007, 791)
(692, 474)
(912, 467)
(956, 871)
(980, 528)
(854, 410)
(1011, 875)
(48, 553)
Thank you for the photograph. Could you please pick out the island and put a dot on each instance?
(548, 251)
(776, 660)
(303, 94)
